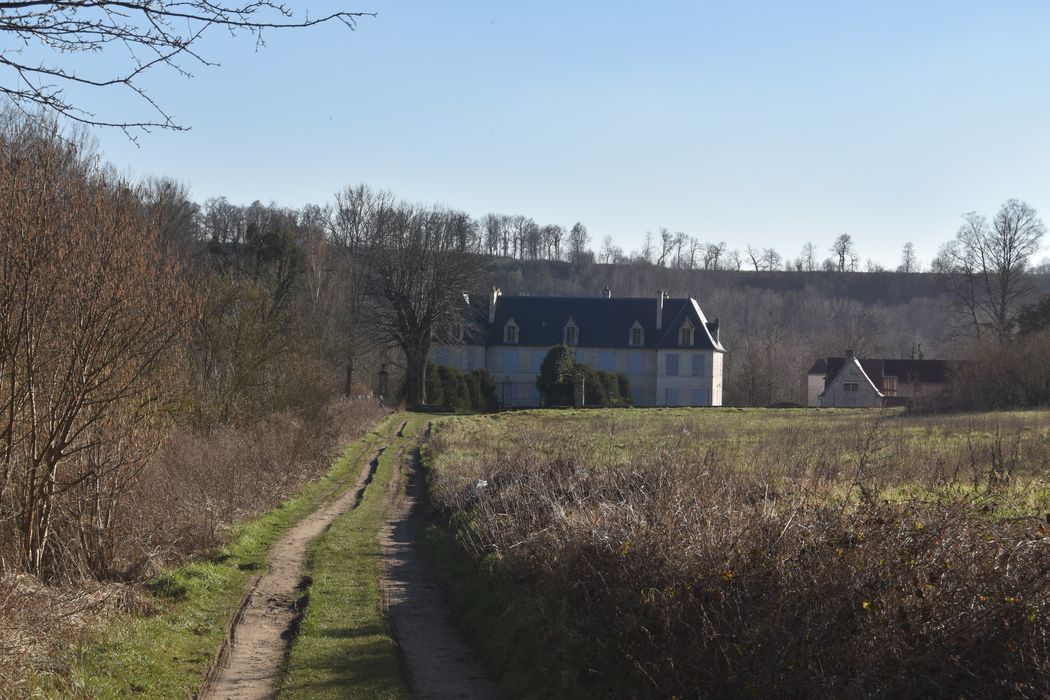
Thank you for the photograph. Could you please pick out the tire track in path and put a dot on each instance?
(257, 644)
(438, 662)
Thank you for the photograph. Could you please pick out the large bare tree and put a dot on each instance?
(985, 266)
(417, 275)
(50, 48)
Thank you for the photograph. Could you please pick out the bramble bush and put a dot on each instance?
(806, 570)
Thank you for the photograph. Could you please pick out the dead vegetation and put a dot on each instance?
(188, 496)
(861, 557)
(156, 385)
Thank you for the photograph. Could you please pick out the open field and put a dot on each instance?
(728, 553)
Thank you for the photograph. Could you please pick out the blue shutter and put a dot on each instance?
(698, 365)
(672, 364)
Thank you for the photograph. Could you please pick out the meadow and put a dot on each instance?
(746, 552)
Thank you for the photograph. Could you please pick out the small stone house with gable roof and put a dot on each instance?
(849, 382)
(666, 346)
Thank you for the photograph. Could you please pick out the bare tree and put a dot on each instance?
(809, 257)
(154, 34)
(679, 243)
(493, 228)
(417, 276)
(693, 252)
(845, 252)
(733, 261)
(552, 239)
(531, 239)
(606, 253)
(352, 228)
(578, 239)
(646, 253)
(771, 259)
(985, 266)
(667, 243)
(713, 253)
(756, 257)
(909, 261)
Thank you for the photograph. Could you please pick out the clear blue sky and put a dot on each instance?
(767, 123)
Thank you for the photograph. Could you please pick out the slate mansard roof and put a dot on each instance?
(602, 322)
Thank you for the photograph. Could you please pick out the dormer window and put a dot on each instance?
(637, 336)
(571, 333)
(685, 334)
(510, 333)
(457, 332)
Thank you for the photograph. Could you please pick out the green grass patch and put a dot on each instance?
(344, 648)
(165, 655)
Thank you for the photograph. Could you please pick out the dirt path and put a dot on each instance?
(437, 661)
(251, 660)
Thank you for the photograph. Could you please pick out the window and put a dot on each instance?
(699, 397)
(510, 333)
(698, 365)
(570, 333)
(850, 386)
(606, 361)
(671, 366)
(685, 335)
(671, 396)
(635, 364)
(510, 360)
(537, 360)
(637, 336)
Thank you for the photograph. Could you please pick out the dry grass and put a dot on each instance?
(39, 620)
(729, 554)
(183, 505)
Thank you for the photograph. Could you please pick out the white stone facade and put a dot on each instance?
(670, 354)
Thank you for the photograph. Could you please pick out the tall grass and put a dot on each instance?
(728, 554)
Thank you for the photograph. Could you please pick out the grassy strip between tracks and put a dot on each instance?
(166, 654)
(344, 648)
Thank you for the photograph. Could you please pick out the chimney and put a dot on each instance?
(660, 309)
(607, 293)
(492, 304)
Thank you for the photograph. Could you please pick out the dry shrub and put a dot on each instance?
(193, 489)
(695, 575)
(198, 485)
(39, 620)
